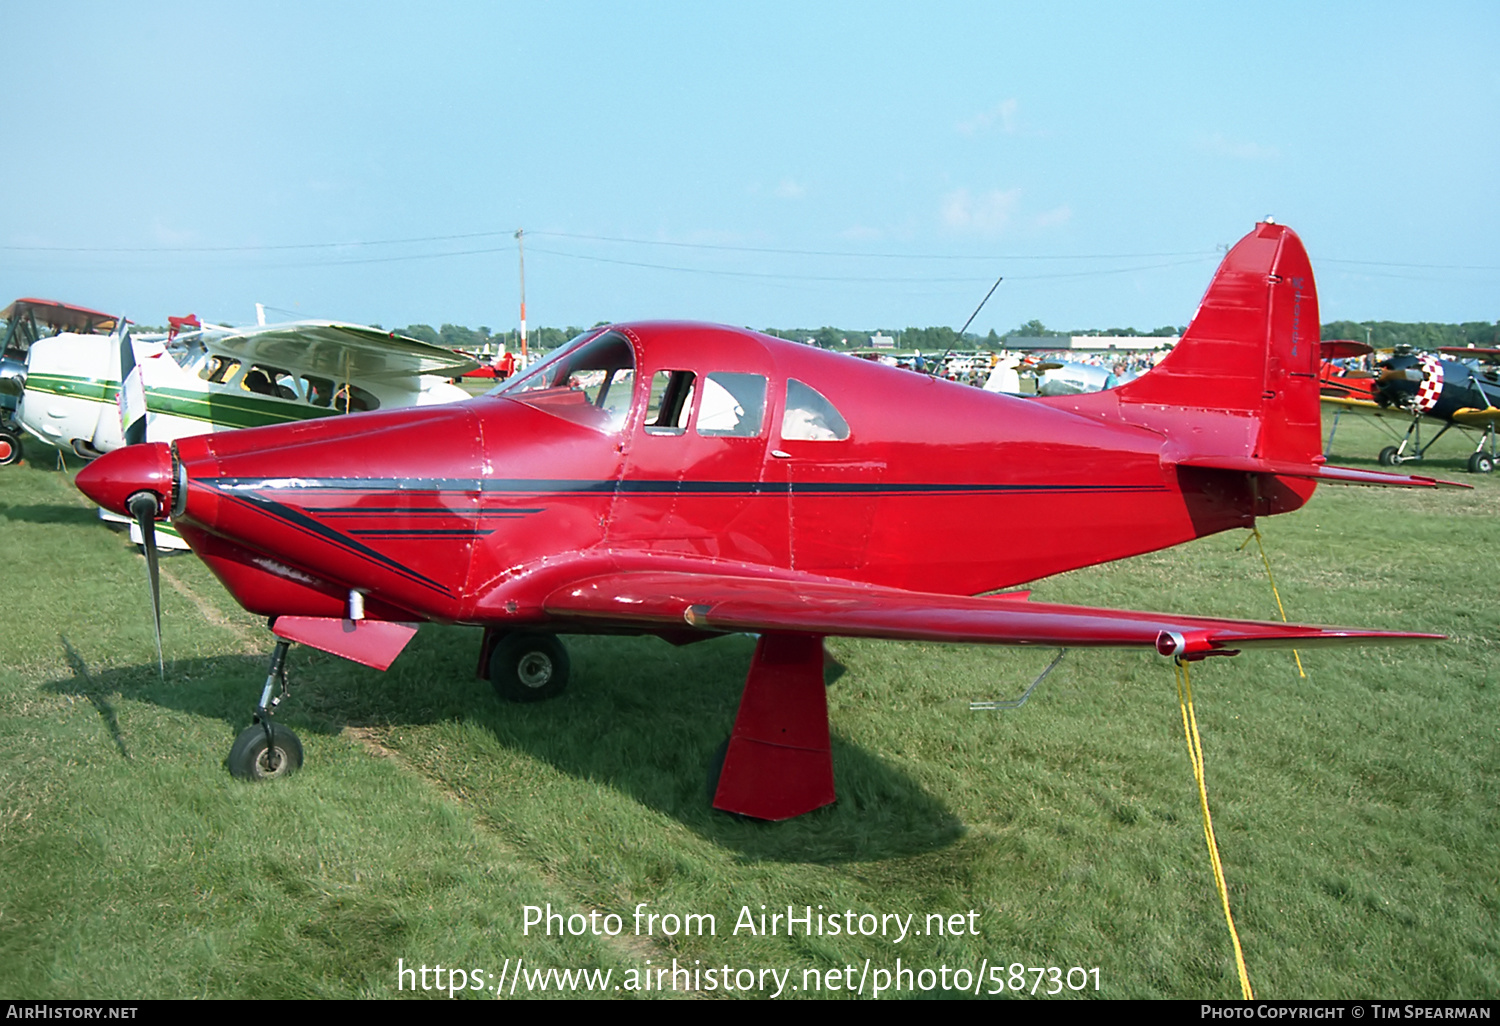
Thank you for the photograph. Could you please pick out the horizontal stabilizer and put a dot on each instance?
(1317, 472)
(726, 604)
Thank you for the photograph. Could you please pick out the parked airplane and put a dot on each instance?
(217, 378)
(688, 480)
(1412, 386)
(1069, 378)
(27, 320)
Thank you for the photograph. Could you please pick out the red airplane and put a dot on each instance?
(690, 480)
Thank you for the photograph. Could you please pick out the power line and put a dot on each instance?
(1427, 267)
(911, 279)
(626, 240)
(745, 274)
(846, 253)
(251, 248)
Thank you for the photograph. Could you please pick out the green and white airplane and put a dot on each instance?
(216, 378)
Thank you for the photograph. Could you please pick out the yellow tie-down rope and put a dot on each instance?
(1195, 755)
(1255, 534)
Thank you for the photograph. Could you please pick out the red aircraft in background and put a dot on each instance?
(688, 480)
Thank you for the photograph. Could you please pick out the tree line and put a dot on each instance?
(1422, 335)
(456, 336)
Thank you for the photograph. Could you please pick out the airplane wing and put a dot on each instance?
(815, 606)
(1470, 353)
(1474, 418)
(338, 351)
(1365, 406)
(61, 315)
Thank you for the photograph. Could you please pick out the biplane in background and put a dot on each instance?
(688, 481)
(26, 321)
(1409, 387)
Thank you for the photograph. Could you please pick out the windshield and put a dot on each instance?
(521, 382)
(590, 382)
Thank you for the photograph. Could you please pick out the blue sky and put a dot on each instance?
(767, 164)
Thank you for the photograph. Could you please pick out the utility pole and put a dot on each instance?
(521, 248)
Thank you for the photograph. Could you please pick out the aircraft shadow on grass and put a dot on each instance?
(43, 513)
(641, 717)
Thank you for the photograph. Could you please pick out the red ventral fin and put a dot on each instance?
(374, 643)
(779, 763)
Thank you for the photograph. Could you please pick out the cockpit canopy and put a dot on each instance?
(589, 381)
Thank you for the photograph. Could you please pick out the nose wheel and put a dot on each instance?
(266, 750)
(10, 447)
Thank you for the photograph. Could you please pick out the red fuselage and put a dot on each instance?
(474, 512)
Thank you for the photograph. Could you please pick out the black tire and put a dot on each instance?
(10, 448)
(251, 758)
(1389, 456)
(529, 667)
(1481, 463)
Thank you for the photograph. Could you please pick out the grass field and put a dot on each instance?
(1356, 809)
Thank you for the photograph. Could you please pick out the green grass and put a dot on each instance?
(1355, 809)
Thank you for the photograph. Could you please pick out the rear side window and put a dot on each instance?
(810, 417)
(733, 405)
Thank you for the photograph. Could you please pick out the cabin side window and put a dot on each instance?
(271, 381)
(810, 417)
(670, 402)
(217, 370)
(353, 399)
(319, 391)
(733, 405)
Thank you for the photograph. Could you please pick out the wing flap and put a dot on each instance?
(724, 604)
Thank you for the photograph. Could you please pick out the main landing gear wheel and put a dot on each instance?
(1390, 456)
(265, 752)
(10, 448)
(1481, 463)
(529, 667)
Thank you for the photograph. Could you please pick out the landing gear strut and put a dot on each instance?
(1392, 455)
(266, 750)
(1481, 462)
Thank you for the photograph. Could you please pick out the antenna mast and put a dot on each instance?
(521, 248)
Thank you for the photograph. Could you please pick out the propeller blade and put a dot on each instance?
(144, 506)
(132, 391)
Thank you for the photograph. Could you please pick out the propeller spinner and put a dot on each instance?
(136, 481)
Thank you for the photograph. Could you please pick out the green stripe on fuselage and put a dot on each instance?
(73, 387)
(224, 409)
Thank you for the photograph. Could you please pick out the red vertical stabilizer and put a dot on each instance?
(1243, 382)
